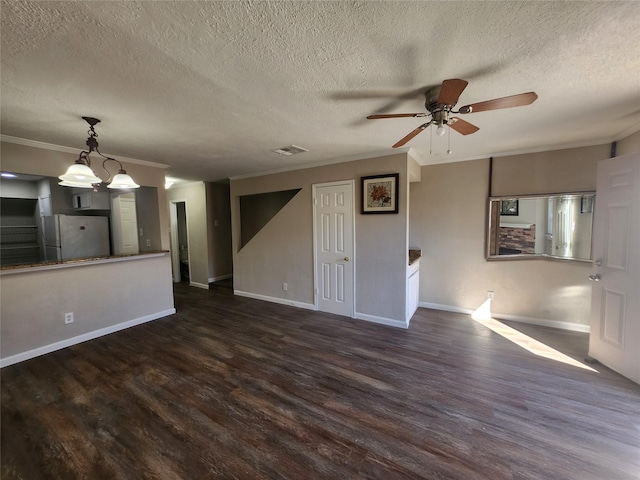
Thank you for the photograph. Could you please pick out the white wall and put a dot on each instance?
(527, 213)
(11, 188)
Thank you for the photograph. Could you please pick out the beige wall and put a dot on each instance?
(195, 197)
(630, 144)
(104, 296)
(557, 171)
(52, 163)
(448, 221)
(219, 231)
(283, 250)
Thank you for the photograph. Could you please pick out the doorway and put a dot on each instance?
(334, 247)
(180, 260)
(124, 224)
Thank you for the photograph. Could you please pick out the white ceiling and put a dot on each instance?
(211, 87)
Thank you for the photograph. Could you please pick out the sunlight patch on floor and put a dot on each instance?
(482, 315)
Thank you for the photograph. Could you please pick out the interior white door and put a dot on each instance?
(173, 237)
(615, 305)
(124, 229)
(562, 230)
(334, 247)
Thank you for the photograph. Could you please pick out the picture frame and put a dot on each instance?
(509, 207)
(380, 193)
(586, 203)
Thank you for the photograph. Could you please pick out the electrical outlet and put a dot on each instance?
(148, 242)
(68, 318)
(490, 295)
(284, 287)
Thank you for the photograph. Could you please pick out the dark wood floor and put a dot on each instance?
(231, 387)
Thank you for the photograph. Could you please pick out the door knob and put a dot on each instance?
(595, 278)
(346, 259)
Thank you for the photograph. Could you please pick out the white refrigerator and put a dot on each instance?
(67, 237)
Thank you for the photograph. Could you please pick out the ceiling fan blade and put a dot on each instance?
(411, 135)
(504, 102)
(463, 127)
(451, 90)
(396, 115)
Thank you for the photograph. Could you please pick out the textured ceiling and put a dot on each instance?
(210, 88)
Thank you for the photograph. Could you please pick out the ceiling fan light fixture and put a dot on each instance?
(439, 102)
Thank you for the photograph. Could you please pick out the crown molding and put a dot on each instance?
(322, 163)
(59, 148)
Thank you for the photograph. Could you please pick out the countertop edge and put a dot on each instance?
(39, 267)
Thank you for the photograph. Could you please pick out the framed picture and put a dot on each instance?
(509, 207)
(586, 204)
(380, 193)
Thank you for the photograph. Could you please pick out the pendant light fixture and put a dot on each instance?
(80, 174)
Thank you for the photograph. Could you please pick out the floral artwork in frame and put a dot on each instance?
(380, 193)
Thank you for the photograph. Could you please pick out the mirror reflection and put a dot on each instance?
(41, 221)
(556, 226)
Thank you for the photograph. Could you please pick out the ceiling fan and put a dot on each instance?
(440, 101)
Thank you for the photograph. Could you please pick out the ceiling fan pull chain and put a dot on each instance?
(430, 139)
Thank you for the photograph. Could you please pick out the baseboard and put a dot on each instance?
(281, 301)
(220, 277)
(543, 322)
(382, 320)
(445, 308)
(310, 306)
(36, 352)
(574, 327)
(199, 285)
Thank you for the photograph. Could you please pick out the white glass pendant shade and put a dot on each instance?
(80, 173)
(122, 181)
(440, 130)
(67, 183)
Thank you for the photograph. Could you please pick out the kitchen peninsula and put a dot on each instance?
(101, 295)
(46, 307)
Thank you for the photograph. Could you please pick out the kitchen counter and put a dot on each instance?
(31, 267)
(413, 283)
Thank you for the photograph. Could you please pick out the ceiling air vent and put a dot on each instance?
(292, 150)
